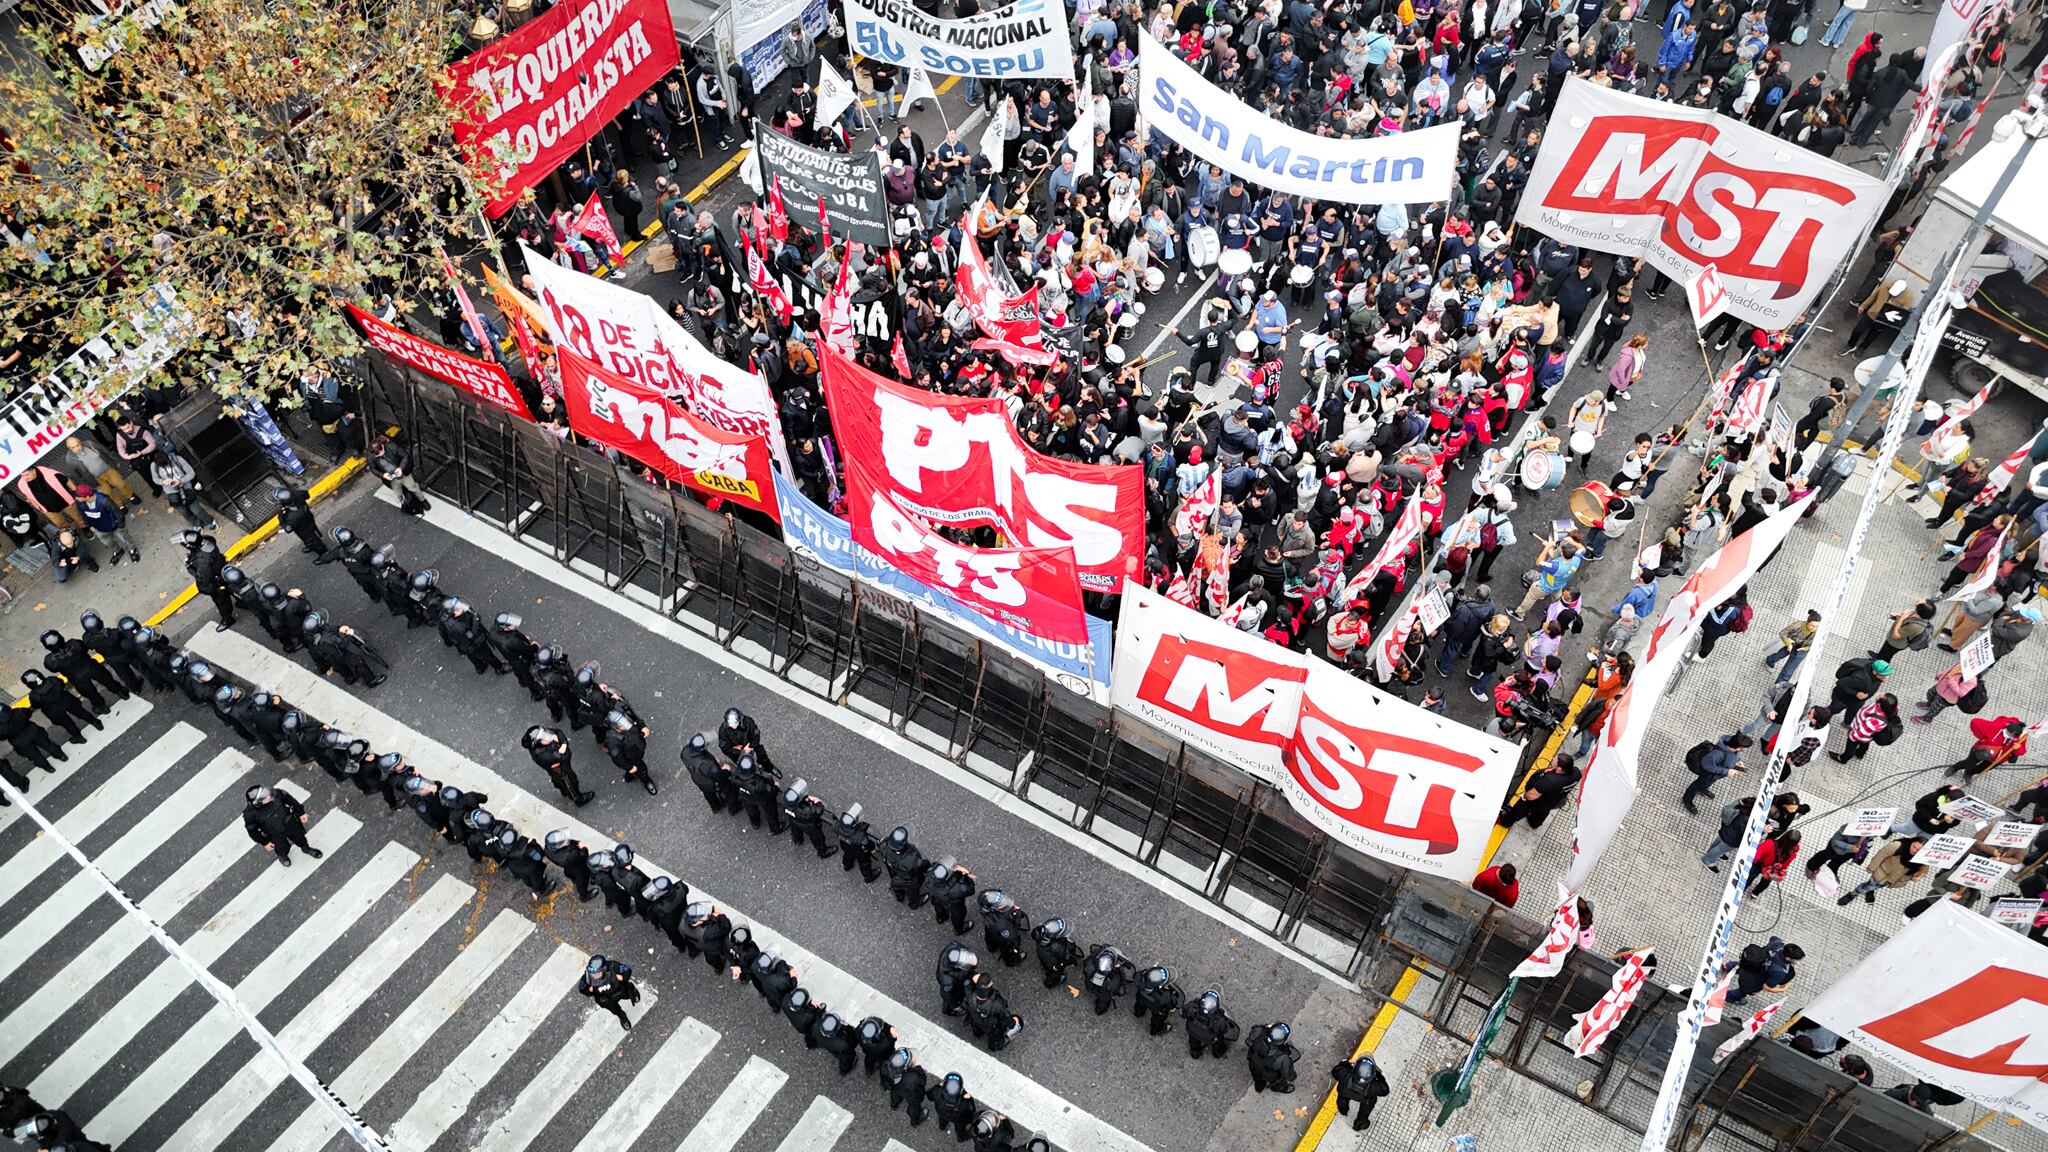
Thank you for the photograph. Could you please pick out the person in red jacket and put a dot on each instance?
(2000, 740)
(1500, 883)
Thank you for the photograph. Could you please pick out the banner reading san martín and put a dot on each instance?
(1028, 38)
(1411, 167)
(649, 427)
(529, 100)
(849, 183)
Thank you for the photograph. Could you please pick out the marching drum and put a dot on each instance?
(1582, 442)
(1301, 274)
(1154, 281)
(1235, 262)
(1247, 342)
(1203, 246)
(1542, 471)
(1114, 353)
(1589, 504)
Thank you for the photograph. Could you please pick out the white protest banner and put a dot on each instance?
(1985, 576)
(850, 184)
(1977, 655)
(1433, 609)
(1229, 693)
(2012, 834)
(1683, 187)
(1943, 850)
(43, 412)
(992, 137)
(1980, 872)
(1872, 821)
(1780, 435)
(624, 332)
(2015, 912)
(1410, 168)
(757, 28)
(1704, 291)
(1557, 943)
(1955, 1000)
(1028, 38)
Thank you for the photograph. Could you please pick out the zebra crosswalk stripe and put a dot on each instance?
(895, 1145)
(552, 1087)
(25, 866)
(448, 1097)
(141, 1006)
(378, 1063)
(736, 1108)
(347, 992)
(115, 724)
(659, 1079)
(48, 920)
(819, 1129)
(201, 1043)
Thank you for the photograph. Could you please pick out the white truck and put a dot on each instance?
(2003, 333)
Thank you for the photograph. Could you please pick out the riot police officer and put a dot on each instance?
(390, 775)
(627, 874)
(907, 1084)
(557, 688)
(480, 833)
(1271, 1057)
(626, 742)
(245, 594)
(278, 618)
(232, 705)
(773, 978)
(877, 1040)
(957, 965)
(740, 951)
(831, 1036)
(514, 651)
(204, 561)
(72, 660)
(153, 653)
(1107, 974)
(114, 648)
(1210, 1029)
(295, 515)
(264, 715)
(662, 903)
(423, 796)
(609, 982)
(524, 859)
(1004, 927)
(292, 613)
(574, 860)
(460, 804)
(332, 754)
(53, 1130)
(711, 775)
(857, 845)
(1056, 951)
(988, 1012)
(201, 681)
(994, 1132)
(802, 1011)
(906, 867)
(27, 738)
(954, 1105)
(1362, 1083)
(393, 579)
(708, 932)
(355, 555)
(1158, 997)
(277, 821)
(738, 733)
(949, 887)
(758, 794)
(549, 748)
(20, 782)
(343, 650)
(807, 814)
(461, 629)
(423, 601)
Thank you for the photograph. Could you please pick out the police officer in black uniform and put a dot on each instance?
(877, 1040)
(514, 651)
(773, 978)
(277, 821)
(957, 965)
(988, 1013)
(1271, 1057)
(738, 733)
(994, 1132)
(574, 860)
(204, 561)
(7, 773)
(549, 748)
(295, 515)
(557, 687)
(949, 887)
(712, 776)
(459, 804)
(906, 1083)
(1004, 927)
(116, 652)
(265, 717)
(758, 794)
(424, 797)
(461, 628)
(1158, 997)
(906, 867)
(707, 933)
(857, 845)
(1057, 952)
(662, 903)
(59, 704)
(807, 814)
(153, 654)
(53, 1129)
(394, 579)
(831, 1036)
(522, 857)
(72, 660)
(27, 738)
(1107, 974)
(247, 595)
(344, 650)
(423, 601)
(355, 554)
(609, 983)
(276, 618)
(333, 756)
(1362, 1083)
(740, 951)
(201, 681)
(626, 742)
(628, 876)
(1210, 1029)
(480, 832)
(955, 1106)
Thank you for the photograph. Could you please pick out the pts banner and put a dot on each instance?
(528, 101)
(1383, 776)
(649, 427)
(1684, 188)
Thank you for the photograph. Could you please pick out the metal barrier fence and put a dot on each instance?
(1201, 823)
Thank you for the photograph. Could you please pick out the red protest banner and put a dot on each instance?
(649, 427)
(481, 379)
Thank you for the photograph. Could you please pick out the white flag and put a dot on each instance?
(918, 87)
(1549, 957)
(1750, 1028)
(1591, 1028)
(1081, 137)
(835, 95)
(992, 137)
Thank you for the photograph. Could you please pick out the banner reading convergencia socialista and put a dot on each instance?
(1411, 167)
(1028, 38)
(529, 100)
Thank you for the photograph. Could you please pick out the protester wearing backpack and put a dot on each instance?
(1711, 763)
(1733, 615)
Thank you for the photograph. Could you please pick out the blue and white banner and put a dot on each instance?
(1028, 38)
(811, 531)
(1410, 168)
(757, 30)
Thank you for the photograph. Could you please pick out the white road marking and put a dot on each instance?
(659, 1079)
(118, 720)
(819, 1129)
(510, 550)
(1030, 1103)
(201, 1043)
(408, 1033)
(448, 1097)
(895, 1145)
(218, 1118)
(126, 1020)
(737, 1107)
(48, 920)
(552, 1087)
(20, 870)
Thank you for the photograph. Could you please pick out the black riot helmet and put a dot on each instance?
(900, 1060)
(899, 836)
(226, 694)
(455, 606)
(1155, 977)
(262, 699)
(506, 622)
(850, 819)
(870, 1029)
(596, 965)
(618, 721)
(1055, 928)
(479, 818)
(1280, 1032)
(744, 766)
(52, 639)
(257, 794)
(450, 795)
(623, 853)
(313, 623)
(732, 718)
(271, 591)
(1211, 1000)
(798, 998)
(952, 1087)
(344, 535)
(392, 762)
(556, 839)
(828, 1023)
(423, 583)
(417, 785)
(293, 720)
(697, 742)
(360, 748)
(992, 899)
(657, 887)
(91, 622)
(383, 558)
(698, 911)
(586, 674)
(127, 624)
(546, 656)
(232, 576)
(985, 1125)
(742, 935)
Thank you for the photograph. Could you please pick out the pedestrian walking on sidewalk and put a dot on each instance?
(1890, 867)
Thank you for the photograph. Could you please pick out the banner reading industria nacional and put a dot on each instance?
(1028, 38)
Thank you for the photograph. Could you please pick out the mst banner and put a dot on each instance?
(1379, 774)
(811, 531)
(481, 379)
(1028, 38)
(624, 332)
(653, 429)
(1955, 999)
(959, 460)
(1684, 188)
(849, 183)
(526, 102)
(1412, 167)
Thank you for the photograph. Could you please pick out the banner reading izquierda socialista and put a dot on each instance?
(528, 101)
(1028, 38)
(1409, 168)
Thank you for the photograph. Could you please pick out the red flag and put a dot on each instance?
(477, 331)
(1994, 484)
(897, 358)
(824, 224)
(763, 284)
(1548, 958)
(835, 320)
(593, 222)
(778, 212)
(1595, 1024)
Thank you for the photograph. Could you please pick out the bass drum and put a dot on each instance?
(1204, 247)
(1542, 471)
(1235, 262)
